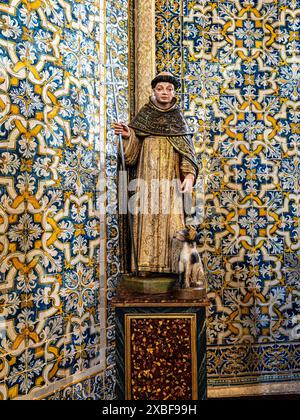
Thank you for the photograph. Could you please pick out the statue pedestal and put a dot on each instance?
(160, 345)
(150, 285)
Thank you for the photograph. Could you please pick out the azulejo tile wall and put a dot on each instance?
(117, 41)
(239, 64)
(55, 326)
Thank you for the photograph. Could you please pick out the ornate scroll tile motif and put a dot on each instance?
(51, 331)
(240, 64)
(117, 42)
(168, 35)
(113, 37)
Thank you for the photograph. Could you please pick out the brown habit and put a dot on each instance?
(161, 149)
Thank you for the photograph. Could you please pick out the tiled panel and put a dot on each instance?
(168, 35)
(117, 48)
(114, 43)
(53, 253)
(239, 70)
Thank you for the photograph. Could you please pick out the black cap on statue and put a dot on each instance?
(167, 78)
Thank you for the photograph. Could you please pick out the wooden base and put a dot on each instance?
(150, 285)
(160, 344)
(191, 293)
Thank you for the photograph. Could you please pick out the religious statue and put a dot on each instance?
(158, 142)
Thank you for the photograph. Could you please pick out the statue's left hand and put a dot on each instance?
(188, 183)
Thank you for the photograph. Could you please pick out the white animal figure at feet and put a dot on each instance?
(191, 273)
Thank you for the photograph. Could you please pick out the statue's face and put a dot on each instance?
(164, 92)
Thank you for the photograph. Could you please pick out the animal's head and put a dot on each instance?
(189, 234)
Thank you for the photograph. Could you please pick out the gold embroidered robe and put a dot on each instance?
(156, 160)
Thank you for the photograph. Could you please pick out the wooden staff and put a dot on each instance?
(123, 165)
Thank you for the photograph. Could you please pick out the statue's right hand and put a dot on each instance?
(122, 129)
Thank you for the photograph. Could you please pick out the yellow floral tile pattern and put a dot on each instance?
(52, 286)
(239, 63)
